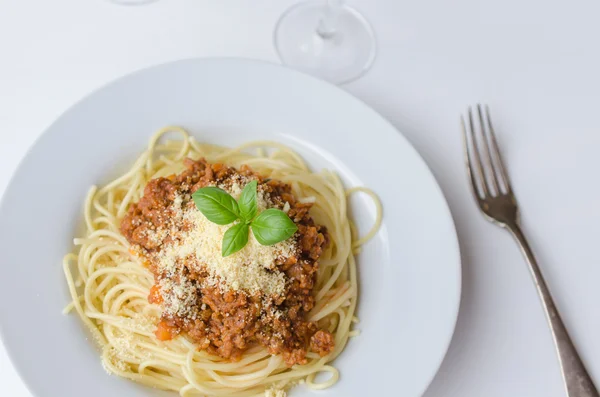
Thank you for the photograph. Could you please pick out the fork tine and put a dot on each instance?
(487, 153)
(474, 187)
(501, 169)
(477, 157)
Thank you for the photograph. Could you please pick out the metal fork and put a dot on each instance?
(495, 197)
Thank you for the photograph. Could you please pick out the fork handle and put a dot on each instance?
(577, 380)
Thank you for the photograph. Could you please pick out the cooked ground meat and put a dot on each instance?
(228, 322)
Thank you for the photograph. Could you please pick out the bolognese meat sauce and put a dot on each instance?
(226, 310)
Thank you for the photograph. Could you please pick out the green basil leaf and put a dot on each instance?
(234, 239)
(272, 226)
(217, 205)
(247, 201)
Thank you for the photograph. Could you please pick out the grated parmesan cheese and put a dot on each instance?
(121, 345)
(198, 245)
(112, 358)
(273, 392)
(182, 296)
(308, 200)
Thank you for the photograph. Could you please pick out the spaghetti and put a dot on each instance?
(110, 287)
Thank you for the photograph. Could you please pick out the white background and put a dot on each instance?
(535, 62)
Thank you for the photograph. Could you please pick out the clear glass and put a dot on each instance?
(132, 2)
(326, 38)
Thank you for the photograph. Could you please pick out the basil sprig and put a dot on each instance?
(269, 227)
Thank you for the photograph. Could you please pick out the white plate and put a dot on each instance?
(409, 274)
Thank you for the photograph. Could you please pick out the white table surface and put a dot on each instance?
(535, 62)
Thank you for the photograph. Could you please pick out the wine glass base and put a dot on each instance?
(340, 57)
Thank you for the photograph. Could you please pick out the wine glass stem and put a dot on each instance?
(327, 23)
